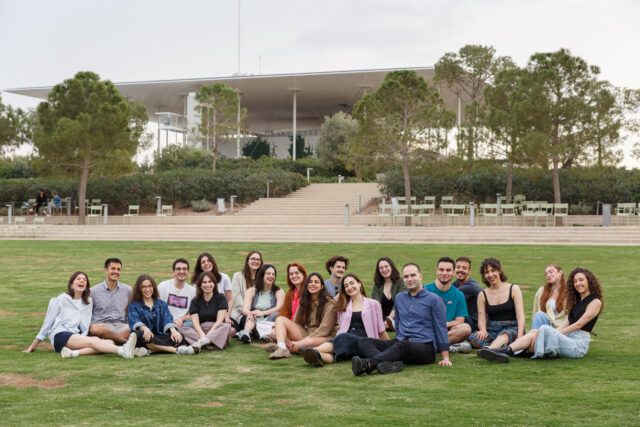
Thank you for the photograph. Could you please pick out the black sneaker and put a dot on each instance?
(390, 367)
(312, 356)
(493, 355)
(359, 366)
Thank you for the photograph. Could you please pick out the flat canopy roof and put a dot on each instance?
(268, 98)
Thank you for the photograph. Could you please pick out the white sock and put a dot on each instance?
(282, 345)
(75, 353)
(120, 351)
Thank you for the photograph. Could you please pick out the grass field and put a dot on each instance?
(240, 386)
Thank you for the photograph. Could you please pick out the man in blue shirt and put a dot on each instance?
(421, 331)
(459, 331)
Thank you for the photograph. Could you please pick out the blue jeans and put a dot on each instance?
(539, 319)
(187, 324)
(551, 343)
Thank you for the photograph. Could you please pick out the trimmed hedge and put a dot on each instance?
(577, 185)
(178, 187)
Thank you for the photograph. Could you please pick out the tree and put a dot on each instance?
(467, 73)
(335, 135)
(218, 106)
(302, 150)
(85, 127)
(13, 126)
(257, 148)
(398, 118)
(505, 99)
(560, 87)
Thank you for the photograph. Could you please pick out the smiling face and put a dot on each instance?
(552, 274)
(444, 272)
(337, 271)
(207, 286)
(206, 264)
(254, 261)
(269, 276)
(295, 276)
(146, 288)
(181, 271)
(412, 278)
(113, 272)
(385, 269)
(492, 275)
(314, 285)
(351, 286)
(581, 284)
(463, 271)
(79, 284)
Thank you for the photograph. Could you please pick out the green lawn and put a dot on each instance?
(241, 386)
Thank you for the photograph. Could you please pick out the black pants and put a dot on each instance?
(158, 339)
(413, 353)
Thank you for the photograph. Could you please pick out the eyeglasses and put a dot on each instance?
(255, 259)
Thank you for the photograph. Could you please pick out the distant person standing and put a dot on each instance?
(336, 266)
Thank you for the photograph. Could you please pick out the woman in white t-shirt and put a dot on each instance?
(206, 262)
(243, 280)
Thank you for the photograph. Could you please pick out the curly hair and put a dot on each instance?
(378, 280)
(136, 295)
(573, 297)
(198, 268)
(495, 264)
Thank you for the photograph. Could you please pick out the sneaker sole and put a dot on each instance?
(356, 364)
(311, 357)
(493, 356)
(389, 368)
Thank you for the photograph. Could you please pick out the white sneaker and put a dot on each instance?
(66, 353)
(203, 341)
(460, 348)
(142, 352)
(129, 348)
(187, 350)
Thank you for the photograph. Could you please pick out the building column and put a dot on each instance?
(238, 129)
(295, 120)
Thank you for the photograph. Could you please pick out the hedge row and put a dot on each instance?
(577, 185)
(178, 187)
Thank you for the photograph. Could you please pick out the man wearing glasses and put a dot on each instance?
(177, 293)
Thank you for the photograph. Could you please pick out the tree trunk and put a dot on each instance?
(82, 191)
(215, 142)
(407, 186)
(509, 180)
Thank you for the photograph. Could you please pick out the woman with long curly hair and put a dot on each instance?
(387, 283)
(313, 324)
(585, 302)
(550, 300)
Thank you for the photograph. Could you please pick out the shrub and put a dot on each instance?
(201, 205)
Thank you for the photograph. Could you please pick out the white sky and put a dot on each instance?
(43, 42)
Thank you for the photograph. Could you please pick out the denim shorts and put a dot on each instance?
(60, 340)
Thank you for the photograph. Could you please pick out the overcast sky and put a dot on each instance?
(44, 42)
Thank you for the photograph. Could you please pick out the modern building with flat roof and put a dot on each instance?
(278, 105)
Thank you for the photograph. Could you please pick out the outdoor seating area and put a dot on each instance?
(521, 212)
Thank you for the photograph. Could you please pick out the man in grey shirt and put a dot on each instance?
(110, 300)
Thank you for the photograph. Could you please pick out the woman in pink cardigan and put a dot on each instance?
(358, 317)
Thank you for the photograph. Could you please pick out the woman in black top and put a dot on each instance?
(387, 283)
(571, 339)
(208, 311)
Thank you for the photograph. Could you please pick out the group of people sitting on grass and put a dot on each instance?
(326, 321)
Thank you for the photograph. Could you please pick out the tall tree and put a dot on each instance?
(85, 127)
(335, 134)
(398, 118)
(467, 73)
(218, 106)
(561, 87)
(13, 126)
(507, 99)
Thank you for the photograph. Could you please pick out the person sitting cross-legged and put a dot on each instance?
(313, 324)
(421, 331)
(150, 319)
